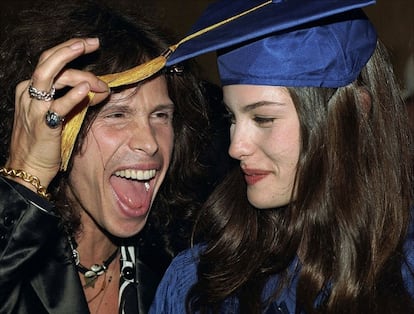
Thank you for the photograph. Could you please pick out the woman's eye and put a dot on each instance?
(263, 121)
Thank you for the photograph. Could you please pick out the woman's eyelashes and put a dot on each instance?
(259, 120)
(263, 121)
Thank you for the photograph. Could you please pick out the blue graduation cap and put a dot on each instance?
(283, 42)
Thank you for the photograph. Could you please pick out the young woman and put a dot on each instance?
(317, 217)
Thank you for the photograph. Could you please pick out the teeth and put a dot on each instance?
(136, 174)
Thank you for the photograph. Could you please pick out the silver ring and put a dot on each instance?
(53, 120)
(41, 95)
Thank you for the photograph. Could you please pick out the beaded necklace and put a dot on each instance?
(91, 274)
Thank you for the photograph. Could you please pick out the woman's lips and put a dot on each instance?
(252, 176)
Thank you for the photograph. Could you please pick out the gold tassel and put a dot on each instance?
(140, 72)
(131, 76)
(69, 134)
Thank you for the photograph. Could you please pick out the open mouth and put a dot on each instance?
(133, 188)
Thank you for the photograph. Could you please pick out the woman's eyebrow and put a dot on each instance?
(261, 103)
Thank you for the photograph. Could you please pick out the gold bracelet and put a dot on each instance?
(27, 177)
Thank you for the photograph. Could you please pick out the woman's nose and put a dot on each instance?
(239, 143)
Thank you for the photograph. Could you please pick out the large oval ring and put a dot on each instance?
(41, 95)
(53, 120)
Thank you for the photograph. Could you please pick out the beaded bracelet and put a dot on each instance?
(27, 177)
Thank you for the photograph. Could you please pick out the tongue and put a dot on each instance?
(131, 193)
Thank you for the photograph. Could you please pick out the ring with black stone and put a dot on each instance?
(53, 120)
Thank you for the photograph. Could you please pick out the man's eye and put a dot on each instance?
(115, 115)
(162, 115)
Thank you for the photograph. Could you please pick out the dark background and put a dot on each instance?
(394, 21)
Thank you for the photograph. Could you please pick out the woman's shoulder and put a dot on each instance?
(183, 268)
(178, 279)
